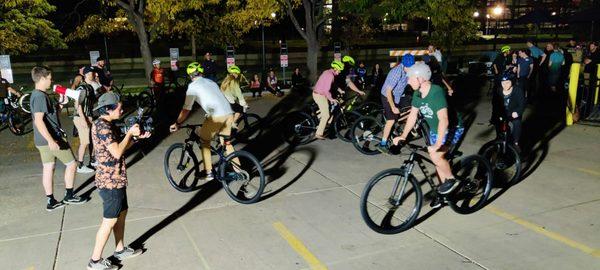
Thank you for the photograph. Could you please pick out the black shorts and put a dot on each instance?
(405, 101)
(114, 201)
(237, 108)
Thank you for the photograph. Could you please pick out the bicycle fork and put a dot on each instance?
(396, 197)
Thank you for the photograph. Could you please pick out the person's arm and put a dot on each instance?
(448, 86)
(353, 87)
(118, 149)
(495, 68)
(518, 67)
(530, 70)
(38, 121)
(442, 126)
(390, 99)
(14, 92)
(76, 81)
(519, 104)
(543, 58)
(410, 122)
(184, 113)
(240, 97)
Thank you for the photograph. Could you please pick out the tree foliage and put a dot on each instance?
(23, 27)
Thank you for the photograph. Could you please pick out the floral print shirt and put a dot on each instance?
(110, 173)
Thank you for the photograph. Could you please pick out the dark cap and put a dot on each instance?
(100, 58)
(107, 99)
(88, 69)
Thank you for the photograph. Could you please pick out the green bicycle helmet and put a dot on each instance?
(194, 68)
(337, 65)
(505, 48)
(234, 69)
(348, 59)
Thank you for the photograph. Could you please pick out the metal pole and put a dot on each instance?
(106, 54)
(262, 29)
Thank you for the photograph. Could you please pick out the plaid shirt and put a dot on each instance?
(397, 80)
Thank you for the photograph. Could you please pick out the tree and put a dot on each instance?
(23, 28)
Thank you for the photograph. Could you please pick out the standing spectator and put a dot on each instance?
(377, 76)
(255, 86)
(297, 79)
(157, 77)
(437, 76)
(272, 84)
(538, 56)
(536, 52)
(50, 139)
(361, 72)
(433, 51)
(500, 63)
(111, 180)
(104, 76)
(575, 51)
(591, 61)
(78, 79)
(210, 67)
(524, 71)
(555, 63)
(83, 118)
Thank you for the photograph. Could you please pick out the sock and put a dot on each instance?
(80, 164)
(94, 261)
(50, 198)
(69, 193)
(383, 142)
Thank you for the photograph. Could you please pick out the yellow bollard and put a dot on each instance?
(573, 85)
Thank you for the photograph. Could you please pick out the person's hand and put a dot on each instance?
(398, 140)
(450, 91)
(395, 110)
(434, 148)
(145, 135)
(135, 130)
(362, 93)
(515, 115)
(587, 61)
(174, 127)
(53, 145)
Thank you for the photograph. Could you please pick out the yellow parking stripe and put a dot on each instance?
(297, 245)
(588, 171)
(539, 229)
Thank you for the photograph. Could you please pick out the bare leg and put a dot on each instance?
(102, 237)
(119, 231)
(81, 152)
(442, 166)
(47, 175)
(387, 129)
(70, 174)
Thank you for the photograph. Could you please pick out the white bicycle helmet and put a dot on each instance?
(156, 61)
(419, 69)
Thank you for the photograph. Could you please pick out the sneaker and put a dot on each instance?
(448, 186)
(93, 164)
(102, 264)
(53, 205)
(436, 202)
(84, 169)
(127, 253)
(209, 176)
(383, 148)
(73, 200)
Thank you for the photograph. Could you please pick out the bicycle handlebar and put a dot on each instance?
(190, 126)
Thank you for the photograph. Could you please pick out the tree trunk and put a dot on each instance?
(140, 30)
(193, 39)
(312, 58)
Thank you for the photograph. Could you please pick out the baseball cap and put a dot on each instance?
(88, 69)
(106, 99)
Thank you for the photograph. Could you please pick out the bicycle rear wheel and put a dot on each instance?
(146, 100)
(343, 123)
(505, 161)
(391, 202)
(298, 128)
(366, 135)
(24, 103)
(248, 127)
(242, 177)
(476, 176)
(182, 168)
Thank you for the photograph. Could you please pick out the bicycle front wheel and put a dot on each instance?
(298, 128)
(366, 135)
(24, 103)
(19, 123)
(476, 176)
(242, 177)
(505, 161)
(391, 202)
(182, 167)
(343, 125)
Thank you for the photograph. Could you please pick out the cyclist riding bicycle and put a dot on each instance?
(231, 89)
(322, 95)
(393, 97)
(445, 127)
(345, 79)
(219, 115)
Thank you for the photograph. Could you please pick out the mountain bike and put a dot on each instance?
(248, 127)
(393, 198)
(19, 121)
(240, 173)
(503, 155)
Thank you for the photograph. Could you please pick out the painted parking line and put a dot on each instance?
(550, 234)
(588, 171)
(299, 247)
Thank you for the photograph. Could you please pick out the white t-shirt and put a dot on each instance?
(209, 96)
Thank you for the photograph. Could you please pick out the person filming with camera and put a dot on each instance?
(111, 178)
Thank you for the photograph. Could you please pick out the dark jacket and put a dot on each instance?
(516, 104)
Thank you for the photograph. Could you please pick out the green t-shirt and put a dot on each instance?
(429, 106)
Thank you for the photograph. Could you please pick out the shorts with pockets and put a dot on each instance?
(114, 201)
(49, 156)
(82, 129)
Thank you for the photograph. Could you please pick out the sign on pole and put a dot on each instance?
(174, 55)
(337, 51)
(230, 54)
(5, 68)
(284, 60)
(93, 57)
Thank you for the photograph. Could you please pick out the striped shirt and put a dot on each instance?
(397, 80)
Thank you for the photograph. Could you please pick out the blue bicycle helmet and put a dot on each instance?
(408, 60)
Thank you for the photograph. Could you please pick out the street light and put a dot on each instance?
(273, 15)
(476, 14)
(428, 20)
(497, 12)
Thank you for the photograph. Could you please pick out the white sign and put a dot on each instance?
(93, 57)
(284, 60)
(174, 66)
(337, 56)
(174, 53)
(230, 61)
(5, 68)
